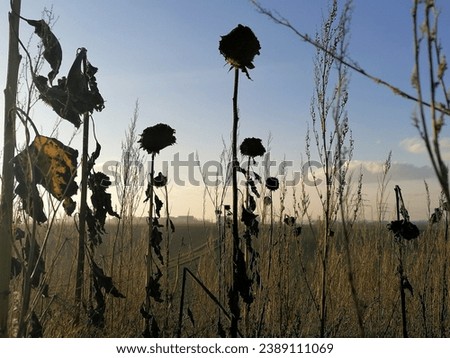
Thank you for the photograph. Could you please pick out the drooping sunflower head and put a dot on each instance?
(160, 180)
(252, 147)
(272, 183)
(157, 137)
(239, 48)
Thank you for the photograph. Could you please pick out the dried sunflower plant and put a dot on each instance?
(404, 231)
(251, 148)
(153, 140)
(239, 47)
(47, 163)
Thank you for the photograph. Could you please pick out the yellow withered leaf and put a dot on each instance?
(54, 167)
(57, 164)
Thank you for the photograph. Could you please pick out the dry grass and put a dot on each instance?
(287, 303)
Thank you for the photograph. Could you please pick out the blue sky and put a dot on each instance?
(165, 54)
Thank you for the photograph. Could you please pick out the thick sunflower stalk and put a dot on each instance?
(6, 208)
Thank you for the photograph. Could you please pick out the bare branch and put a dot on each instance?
(345, 60)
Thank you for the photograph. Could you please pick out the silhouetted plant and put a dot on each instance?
(272, 184)
(53, 165)
(403, 229)
(239, 48)
(153, 140)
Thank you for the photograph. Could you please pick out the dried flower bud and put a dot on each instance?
(160, 180)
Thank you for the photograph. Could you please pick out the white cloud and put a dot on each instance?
(415, 145)
(372, 171)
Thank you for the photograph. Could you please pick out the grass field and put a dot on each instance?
(287, 301)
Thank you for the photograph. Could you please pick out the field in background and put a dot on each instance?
(286, 304)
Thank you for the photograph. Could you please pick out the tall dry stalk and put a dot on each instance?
(6, 205)
(382, 207)
(83, 213)
(234, 292)
(334, 145)
(129, 180)
(428, 79)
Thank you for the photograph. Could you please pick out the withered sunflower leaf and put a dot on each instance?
(82, 86)
(52, 47)
(94, 156)
(35, 327)
(105, 281)
(96, 315)
(98, 183)
(154, 287)
(247, 217)
(251, 183)
(156, 240)
(40, 267)
(251, 203)
(241, 170)
(94, 229)
(16, 267)
(54, 167)
(58, 98)
(172, 226)
(158, 206)
(31, 200)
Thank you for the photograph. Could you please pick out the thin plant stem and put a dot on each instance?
(234, 294)
(149, 257)
(167, 249)
(83, 213)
